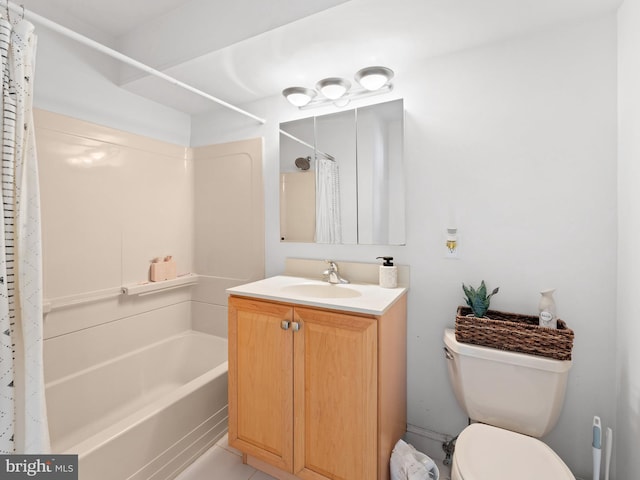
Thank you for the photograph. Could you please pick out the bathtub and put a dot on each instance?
(145, 414)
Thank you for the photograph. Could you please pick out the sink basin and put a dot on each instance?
(321, 290)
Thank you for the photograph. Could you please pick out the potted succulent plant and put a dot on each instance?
(478, 300)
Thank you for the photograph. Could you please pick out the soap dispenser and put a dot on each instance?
(388, 273)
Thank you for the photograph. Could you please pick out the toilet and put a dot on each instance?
(515, 399)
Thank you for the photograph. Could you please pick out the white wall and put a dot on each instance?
(515, 142)
(627, 433)
(76, 81)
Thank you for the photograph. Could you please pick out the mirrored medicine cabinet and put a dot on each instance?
(342, 177)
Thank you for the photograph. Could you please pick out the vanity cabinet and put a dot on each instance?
(316, 393)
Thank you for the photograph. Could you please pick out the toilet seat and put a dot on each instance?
(484, 452)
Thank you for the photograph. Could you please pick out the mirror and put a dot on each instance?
(342, 177)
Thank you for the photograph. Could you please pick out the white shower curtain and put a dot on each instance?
(23, 420)
(328, 218)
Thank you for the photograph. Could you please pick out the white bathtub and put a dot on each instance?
(145, 414)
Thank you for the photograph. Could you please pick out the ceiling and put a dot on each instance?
(245, 50)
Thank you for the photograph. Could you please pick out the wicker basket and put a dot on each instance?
(515, 333)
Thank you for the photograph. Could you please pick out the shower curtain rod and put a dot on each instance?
(292, 137)
(123, 58)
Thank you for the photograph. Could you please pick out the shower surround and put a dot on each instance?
(111, 202)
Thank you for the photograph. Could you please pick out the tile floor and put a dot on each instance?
(222, 462)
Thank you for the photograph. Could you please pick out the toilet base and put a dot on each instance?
(455, 473)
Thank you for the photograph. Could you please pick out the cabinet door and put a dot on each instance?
(261, 381)
(335, 396)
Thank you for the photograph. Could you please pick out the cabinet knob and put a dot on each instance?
(285, 324)
(296, 326)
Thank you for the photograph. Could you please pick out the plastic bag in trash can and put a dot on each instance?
(409, 464)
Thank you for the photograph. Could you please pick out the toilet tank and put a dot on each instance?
(519, 392)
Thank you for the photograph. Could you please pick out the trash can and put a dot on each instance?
(409, 464)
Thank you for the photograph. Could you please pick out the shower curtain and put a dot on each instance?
(328, 219)
(23, 421)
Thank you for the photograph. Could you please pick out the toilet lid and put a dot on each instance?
(484, 452)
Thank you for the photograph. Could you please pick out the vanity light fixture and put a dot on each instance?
(338, 91)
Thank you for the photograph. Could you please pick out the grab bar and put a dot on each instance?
(148, 288)
(140, 289)
(49, 305)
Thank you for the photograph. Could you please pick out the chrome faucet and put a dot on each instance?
(331, 274)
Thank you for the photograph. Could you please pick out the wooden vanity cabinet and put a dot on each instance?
(316, 393)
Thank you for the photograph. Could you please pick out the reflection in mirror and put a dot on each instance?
(336, 194)
(380, 174)
(353, 190)
(297, 186)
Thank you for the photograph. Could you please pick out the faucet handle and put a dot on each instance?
(332, 265)
(331, 273)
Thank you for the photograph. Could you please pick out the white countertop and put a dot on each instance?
(367, 298)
